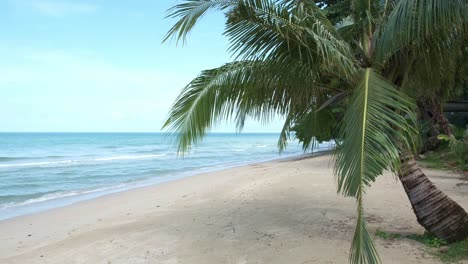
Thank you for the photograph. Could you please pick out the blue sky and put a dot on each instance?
(99, 65)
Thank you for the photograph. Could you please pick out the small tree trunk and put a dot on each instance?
(443, 123)
(432, 113)
(426, 114)
(435, 211)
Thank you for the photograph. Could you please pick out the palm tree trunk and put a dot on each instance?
(435, 211)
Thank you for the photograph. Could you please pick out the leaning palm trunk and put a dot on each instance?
(435, 211)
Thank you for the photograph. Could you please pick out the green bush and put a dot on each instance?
(459, 147)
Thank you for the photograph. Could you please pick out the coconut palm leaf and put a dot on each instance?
(429, 60)
(378, 118)
(256, 89)
(365, 14)
(190, 12)
(421, 24)
(314, 126)
(267, 29)
(431, 73)
(372, 129)
(285, 132)
(333, 99)
(273, 30)
(347, 29)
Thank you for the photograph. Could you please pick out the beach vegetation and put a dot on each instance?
(450, 154)
(442, 158)
(446, 252)
(365, 78)
(454, 252)
(458, 148)
(386, 235)
(428, 239)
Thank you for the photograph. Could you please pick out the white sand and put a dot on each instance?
(275, 212)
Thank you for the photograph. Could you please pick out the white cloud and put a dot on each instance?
(59, 8)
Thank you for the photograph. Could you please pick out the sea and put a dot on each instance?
(41, 171)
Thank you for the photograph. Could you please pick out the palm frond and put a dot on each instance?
(281, 30)
(285, 133)
(347, 29)
(313, 127)
(363, 250)
(376, 123)
(365, 14)
(258, 89)
(420, 24)
(190, 12)
(333, 99)
(433, 74)
(429, 68)
(271, 29)
(388, 6)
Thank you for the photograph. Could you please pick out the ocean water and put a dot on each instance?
(39, 171)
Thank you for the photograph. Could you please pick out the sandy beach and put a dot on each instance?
(273, 212)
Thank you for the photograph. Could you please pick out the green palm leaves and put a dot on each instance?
(190, 12)
(259, 89)
(421, 44)
(420, 25)
(372, 130)
(289, 55)
(284, 47)
(378, 120)
(272, 30)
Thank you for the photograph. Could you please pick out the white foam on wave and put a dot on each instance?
(39, 164)
(59, 195)
(240, 148)
(130, 157)
(62, 163)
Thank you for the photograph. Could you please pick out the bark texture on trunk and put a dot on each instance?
(435, 211)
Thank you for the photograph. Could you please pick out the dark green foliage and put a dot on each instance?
(316, 127)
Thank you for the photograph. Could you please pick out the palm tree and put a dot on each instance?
(292, 61)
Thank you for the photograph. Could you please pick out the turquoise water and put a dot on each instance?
(40, 171)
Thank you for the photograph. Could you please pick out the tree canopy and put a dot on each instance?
(353, 70)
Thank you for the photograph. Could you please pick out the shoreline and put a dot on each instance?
(272, 212)
(80, 196)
